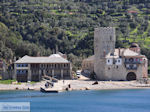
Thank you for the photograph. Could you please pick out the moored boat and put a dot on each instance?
(48, 90)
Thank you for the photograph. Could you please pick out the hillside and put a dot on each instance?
(39, 27)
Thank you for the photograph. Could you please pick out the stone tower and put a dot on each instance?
(104, 43)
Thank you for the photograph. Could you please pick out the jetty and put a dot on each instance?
(52, 85)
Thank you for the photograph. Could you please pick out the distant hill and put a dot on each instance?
(39, 27)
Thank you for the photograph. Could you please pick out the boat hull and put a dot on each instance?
(48, 90)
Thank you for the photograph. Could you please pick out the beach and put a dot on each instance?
(78, 85)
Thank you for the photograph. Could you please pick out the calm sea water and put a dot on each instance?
(83, 101)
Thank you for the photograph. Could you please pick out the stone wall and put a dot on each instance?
(104, 42)
(88, 65)
(119, 72)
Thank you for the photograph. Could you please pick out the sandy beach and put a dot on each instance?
(78, 85)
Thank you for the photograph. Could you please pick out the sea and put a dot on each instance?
(130, 100)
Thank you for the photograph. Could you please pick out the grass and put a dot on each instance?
(69, 33)
(143, 39)
(11, 81)
(135, 30)
(7, 81)
(32, 82)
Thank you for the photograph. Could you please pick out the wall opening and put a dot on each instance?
(131, 76)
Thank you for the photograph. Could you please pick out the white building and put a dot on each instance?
(33, 68)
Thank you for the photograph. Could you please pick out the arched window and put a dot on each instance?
(131, 60)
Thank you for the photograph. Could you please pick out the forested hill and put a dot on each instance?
(39, 27)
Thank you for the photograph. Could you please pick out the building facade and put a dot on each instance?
(88, 65)
(33, 68)
(117, 64)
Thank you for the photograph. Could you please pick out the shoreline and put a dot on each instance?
(77, 85)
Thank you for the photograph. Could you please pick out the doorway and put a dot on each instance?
(131, 76)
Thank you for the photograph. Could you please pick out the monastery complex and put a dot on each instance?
(109, 63)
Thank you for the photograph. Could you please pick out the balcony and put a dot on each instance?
(133, 61)
(131, 66)
(22, 65)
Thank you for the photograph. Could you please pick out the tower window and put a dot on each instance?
(112, 54)
(110, 38)
(117, 67)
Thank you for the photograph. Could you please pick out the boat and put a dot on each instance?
(48, 90)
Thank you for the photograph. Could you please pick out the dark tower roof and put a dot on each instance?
(133, 45)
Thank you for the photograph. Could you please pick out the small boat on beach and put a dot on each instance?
(49, 90)
(53, 85)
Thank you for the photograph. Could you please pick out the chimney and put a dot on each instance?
(119, 52)
(122, 54)
(56, 49)
(14, 59)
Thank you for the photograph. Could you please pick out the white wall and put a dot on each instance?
(109, 61)
(119, 61)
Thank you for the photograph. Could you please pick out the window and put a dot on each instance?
(135, 65)
(110, 38)
(127, 66)
(22, 71)
(22, 65)
(117, 67)
(112, 54)
(118, 61)
(25, 65)
(17, 71)
(131, 66)
(109, 61)
(114, 61)
(131, 60)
